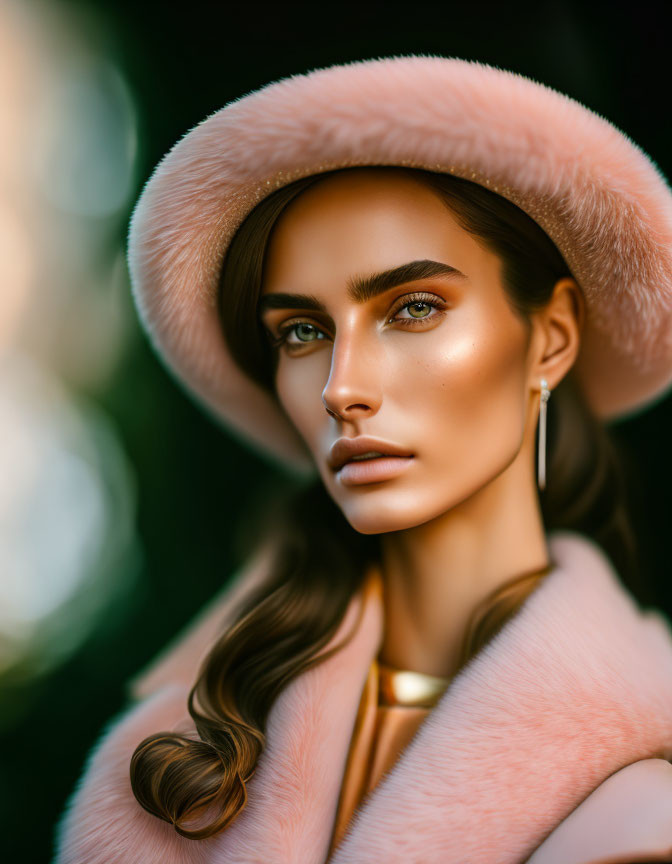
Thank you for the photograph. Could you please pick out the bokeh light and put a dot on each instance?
(67, 512)
(68, 544)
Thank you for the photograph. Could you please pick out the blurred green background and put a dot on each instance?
(121, 506)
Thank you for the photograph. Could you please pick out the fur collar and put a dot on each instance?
(576, 685)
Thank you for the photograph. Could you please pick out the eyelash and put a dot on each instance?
(412, 300)
(408, 300)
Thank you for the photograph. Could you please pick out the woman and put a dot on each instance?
(381, 273)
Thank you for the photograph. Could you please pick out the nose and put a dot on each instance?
(352, 390)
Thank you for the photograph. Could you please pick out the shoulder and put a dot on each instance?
(627, 817)
(103, 823)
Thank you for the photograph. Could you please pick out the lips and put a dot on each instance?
(345, 449)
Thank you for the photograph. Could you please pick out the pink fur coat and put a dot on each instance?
(552, 746)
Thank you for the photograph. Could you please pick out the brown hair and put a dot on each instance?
(283, 625)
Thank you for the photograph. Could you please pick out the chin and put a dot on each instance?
(384, 511)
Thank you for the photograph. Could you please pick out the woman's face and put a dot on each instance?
(395, 327)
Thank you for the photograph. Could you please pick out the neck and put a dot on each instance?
(437, 573)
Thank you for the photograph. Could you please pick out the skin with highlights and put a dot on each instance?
(441, 367)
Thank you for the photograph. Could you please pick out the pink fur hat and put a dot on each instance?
(603, 202)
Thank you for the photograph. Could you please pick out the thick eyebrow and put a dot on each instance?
(363, 288)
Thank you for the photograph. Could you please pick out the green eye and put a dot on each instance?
(293, 336)
(305, 332)
(418, 310)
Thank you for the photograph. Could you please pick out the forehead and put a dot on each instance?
(361, 221)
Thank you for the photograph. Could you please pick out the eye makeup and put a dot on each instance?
(415, 301)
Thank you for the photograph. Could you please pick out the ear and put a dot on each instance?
(556, 334)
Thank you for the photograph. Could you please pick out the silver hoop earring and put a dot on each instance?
(541, 465)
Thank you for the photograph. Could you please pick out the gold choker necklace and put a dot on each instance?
(404, 687)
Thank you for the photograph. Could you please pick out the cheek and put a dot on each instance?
(462, 408)
(465, 390)
(299, 384)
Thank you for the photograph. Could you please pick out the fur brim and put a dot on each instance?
(602, 201)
